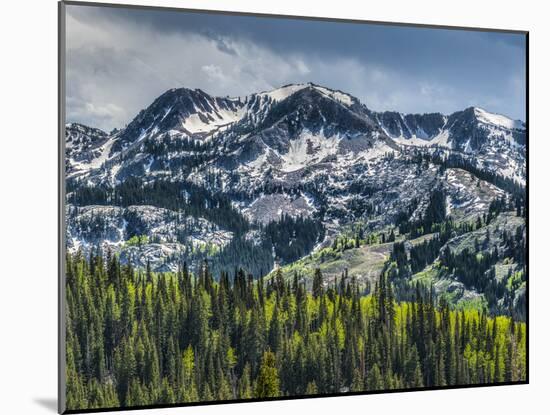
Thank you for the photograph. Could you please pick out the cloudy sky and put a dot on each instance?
(120, 60)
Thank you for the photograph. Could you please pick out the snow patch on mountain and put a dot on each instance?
(308, 149)
(201, 123)
(498, 120)
(280, 94)
(379, 149)
(284, 92)
(441, 139)
(467, 196)
(341, 97)
(270, 207)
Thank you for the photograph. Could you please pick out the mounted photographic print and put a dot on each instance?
(258, 207)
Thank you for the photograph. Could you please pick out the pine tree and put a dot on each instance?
(374, 379)
(317, 283)
(267, 383)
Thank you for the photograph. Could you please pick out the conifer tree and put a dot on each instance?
(267, 384)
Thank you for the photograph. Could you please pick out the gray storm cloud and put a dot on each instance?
(116, 67)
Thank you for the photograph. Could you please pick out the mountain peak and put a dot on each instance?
(498, 120)
(183, 110)
(285, 91)
(76, 126)
(315, 108)
(282, 93)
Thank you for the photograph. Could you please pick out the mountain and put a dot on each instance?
(467, 130)
(82, 147)
(290, 176)
(180, 112)
(496, 142)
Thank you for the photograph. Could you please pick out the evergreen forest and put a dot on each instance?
(136, 337)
